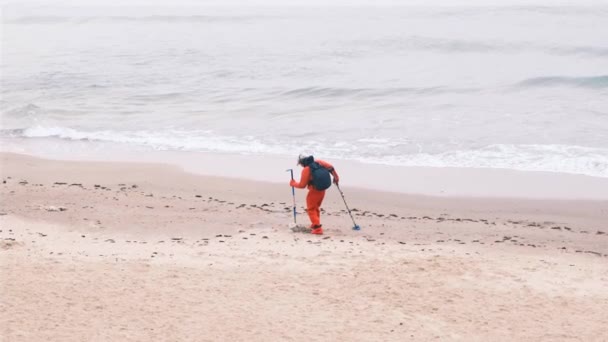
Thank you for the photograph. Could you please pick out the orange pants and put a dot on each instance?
(313, 205)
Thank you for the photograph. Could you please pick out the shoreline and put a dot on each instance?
(429, 181)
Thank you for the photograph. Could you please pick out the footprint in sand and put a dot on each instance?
(9, 243)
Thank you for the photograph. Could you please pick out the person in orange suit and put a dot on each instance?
(314, 199)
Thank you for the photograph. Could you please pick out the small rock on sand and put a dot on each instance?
(54, 208)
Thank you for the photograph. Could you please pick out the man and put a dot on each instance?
(315, 176)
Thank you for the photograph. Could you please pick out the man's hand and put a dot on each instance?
(336, 180)
(293, 183)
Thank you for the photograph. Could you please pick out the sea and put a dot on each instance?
(496, 84)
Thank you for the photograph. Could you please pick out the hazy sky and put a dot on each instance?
(300, 2)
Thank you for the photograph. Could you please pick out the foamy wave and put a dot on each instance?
(549, 158)
(199, 140)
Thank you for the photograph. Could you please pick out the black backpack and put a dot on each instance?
(321, 179)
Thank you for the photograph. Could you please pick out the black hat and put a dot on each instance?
(305, 160)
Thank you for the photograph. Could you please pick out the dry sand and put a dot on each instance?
(118, 252)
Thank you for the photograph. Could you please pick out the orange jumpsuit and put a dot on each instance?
(314, 197)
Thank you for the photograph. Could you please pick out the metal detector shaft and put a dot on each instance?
(293, 193)
(355, 225)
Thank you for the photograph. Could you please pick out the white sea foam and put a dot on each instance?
(549, 158)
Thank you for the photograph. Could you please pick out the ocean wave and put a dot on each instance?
(32, 115)
(506, 8)
(568, 10)
(331, 92)
(594, 51)
(549, 158)
(28, 109)
(551, 81)
(424, 43)
(26, 114)
(169, 139)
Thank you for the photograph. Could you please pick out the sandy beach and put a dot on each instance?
(147, 148)
(94, 251)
